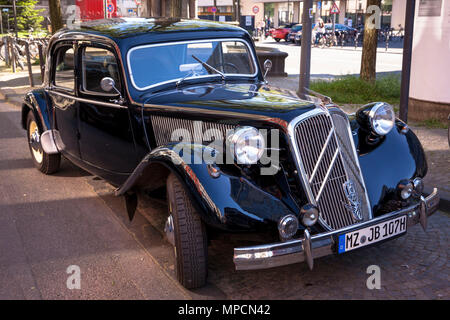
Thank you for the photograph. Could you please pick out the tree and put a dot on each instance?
(175, 8)
(27, 15)
(369, 52)
(55, 15)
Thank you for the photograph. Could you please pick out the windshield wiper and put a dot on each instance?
(207, 66)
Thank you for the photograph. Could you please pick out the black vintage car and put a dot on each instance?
(149, 104)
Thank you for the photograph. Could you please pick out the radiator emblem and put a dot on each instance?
(354, 205)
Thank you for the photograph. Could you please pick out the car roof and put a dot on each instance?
(120, 28)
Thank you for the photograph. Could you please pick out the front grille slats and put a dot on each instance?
(327, 156)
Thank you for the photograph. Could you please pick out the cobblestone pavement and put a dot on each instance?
(415, 266)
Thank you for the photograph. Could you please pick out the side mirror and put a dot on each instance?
(108, 84)
(267, 67)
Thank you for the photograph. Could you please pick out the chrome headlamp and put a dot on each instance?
(378, 116)
(247, 145)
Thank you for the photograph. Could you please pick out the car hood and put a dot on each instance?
(232, 99)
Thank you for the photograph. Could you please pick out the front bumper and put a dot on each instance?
(323, 244)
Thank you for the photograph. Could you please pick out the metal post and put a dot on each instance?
(1, 22)
(30, 70)
(13, 54)
(305, 58)
(6, 48)
(41, 61)
(406, 63)
(15, 18)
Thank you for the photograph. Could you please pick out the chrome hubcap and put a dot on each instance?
(35, 142)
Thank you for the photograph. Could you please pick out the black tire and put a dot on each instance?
(277, 39)
(191, 247)
(48, 163)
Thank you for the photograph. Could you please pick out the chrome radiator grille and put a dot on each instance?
(164, 127)
(330, 169)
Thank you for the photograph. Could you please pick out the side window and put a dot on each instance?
(98, 63)
(65, 68)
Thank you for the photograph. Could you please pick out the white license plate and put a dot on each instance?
(363, 237)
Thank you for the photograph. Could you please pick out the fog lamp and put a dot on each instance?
(405, 189)
(288, 226)
(418, 185)
(309, 215)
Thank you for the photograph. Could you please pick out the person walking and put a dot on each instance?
(319, 30)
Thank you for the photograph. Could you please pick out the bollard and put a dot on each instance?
(6, 48)
(30, 70)
(41, 61)
(13, 55)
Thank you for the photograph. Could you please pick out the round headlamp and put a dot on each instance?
(247, 145)
(309, 214)
(418, 185)
(382, 118)
(405, 189)
(288, 226)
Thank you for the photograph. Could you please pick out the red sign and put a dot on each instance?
(255, 9)
(335, 9)
(212, 9)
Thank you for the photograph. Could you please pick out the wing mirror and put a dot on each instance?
(108, 84)
(267, 67)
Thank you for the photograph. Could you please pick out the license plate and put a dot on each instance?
(363, 237)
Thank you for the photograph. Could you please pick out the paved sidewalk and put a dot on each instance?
(434, 141)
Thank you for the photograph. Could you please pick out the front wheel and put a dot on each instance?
(44, 162)
(277, 39)
(187, 232)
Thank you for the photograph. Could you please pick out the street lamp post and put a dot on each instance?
(305, 57)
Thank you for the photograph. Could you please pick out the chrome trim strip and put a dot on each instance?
(255, 64)
(319, 160)
(100, 103)
(325, 179)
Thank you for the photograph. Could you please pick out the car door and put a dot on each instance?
(106, 138)
(63, 99)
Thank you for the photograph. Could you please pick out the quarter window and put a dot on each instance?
(65, 68)
(98, 63)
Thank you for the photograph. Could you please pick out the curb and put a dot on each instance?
(444, 203)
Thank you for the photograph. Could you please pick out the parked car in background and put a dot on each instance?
(294, 31)
(282, 32)
(181, 108)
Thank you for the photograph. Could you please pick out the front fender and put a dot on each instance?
(226, 202)
(37, 102)
(397, 157)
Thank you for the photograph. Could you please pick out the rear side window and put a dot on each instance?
(98, 63)
(65, 68)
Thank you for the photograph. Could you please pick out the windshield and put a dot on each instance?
(153, 65)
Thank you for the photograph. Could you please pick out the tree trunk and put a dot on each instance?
(192, 7)
(156, 8)
(369, 51)
(55, 15)
(176, 8)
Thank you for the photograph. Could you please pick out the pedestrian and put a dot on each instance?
(349, 22)
(263, 26)
(319, 29)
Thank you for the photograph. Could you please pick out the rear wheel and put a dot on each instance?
(188, 236)
(44, 162)
(277, 39)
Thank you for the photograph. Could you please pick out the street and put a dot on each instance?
(48, 223)
(332, 62)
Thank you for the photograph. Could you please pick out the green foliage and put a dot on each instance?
(353, 90)
(27, 15)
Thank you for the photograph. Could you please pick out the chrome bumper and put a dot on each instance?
(316, 246)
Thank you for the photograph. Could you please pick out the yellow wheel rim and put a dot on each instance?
(33, 132)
